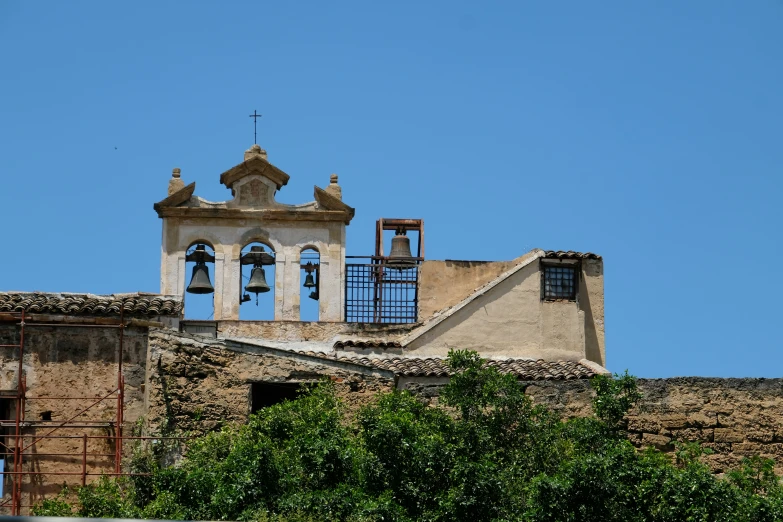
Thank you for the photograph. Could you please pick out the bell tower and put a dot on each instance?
(254, 216)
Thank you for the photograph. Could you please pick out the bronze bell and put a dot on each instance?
(257, 284)
(309, 281)
(199, 282)
(400, 256)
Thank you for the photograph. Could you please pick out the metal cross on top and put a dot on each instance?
(255, 122)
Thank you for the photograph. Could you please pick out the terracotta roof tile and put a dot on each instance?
(560, 254)
(362, 343)
(524, 369)
(89, 304)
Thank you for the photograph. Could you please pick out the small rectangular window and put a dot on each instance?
(559, 283)
(263, 394)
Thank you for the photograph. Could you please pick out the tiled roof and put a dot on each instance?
(560, 254)
(361, 343)
(524, 369)
(89, 304)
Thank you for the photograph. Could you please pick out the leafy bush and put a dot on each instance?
(486, 454)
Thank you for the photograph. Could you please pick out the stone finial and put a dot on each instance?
(175, 183)
(255, 150)
(333, 188)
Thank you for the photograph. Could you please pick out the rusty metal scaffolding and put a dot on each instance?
(23, 444)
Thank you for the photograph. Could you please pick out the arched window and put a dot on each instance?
(199, 280)
(257, 280)
(309, 272)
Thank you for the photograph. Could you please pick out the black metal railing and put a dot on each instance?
(382, 290)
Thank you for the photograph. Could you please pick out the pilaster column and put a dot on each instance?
(230, 286)
(291, 296)
(217, 301)
(280, 286)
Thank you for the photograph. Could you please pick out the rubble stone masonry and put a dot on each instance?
(196, 385)
(733, 417)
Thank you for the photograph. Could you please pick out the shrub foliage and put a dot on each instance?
(486, 453)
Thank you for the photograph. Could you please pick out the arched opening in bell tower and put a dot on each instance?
(257, 282)
(199, 281)
(309, 284)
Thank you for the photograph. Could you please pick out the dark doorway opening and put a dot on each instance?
(263, 394)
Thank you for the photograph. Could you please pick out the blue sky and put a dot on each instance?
(651, 133)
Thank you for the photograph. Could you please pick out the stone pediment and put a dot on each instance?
(327, 201)
(257, 165)
(179, 197)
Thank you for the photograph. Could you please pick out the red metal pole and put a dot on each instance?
(17, 445)
(120, 398)
(84, 460)
(16, 490)
(118, 431)
(21, 443)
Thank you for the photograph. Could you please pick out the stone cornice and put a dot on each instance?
(254, 165)
(178, 198)
(265, 214)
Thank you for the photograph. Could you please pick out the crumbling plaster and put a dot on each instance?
(77, 362)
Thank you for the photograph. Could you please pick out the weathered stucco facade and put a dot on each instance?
(508, 317)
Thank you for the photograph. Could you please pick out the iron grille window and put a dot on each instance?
(380, 293)
(560, 282)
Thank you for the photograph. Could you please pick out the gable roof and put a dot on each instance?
(254, 165)
(89, 304)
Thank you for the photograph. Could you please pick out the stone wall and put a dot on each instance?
(196, 384)
(199, 384)
(735, 418)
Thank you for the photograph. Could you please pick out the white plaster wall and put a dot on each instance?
(287, 239)
(510, 320)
